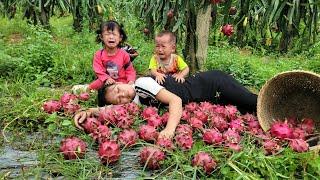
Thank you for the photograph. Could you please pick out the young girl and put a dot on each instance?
(165, 61)
(110, 64)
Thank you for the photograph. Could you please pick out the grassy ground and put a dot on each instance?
(66, 57)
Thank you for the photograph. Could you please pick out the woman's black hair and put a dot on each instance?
(101, 96)
(111, 25)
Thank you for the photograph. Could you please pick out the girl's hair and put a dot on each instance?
(111, 25)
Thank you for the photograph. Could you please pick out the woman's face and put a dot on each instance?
(120, 93)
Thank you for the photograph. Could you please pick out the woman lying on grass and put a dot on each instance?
(211, 86)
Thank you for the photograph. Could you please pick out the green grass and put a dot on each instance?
(24, 88)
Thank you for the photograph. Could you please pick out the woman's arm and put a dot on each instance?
(175, 111)
(81, 116)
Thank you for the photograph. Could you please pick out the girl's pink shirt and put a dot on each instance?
(120, 59)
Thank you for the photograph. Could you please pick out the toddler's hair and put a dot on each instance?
(111, 25)
(173, 37)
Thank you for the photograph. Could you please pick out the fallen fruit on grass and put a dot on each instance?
(84, 96)
(51, 106)
(299, 145)
(205, 161)
(148, 133)
(90, 124)
(151, 157)
(109, 152)
(128, 137)
(73, 147)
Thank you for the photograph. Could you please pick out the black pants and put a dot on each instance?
(230, 91)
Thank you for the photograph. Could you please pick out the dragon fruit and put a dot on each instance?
(90, 124)
(165, 143)
(281, 130)
(132, 108)
(71, 107)
(299, 145)
(184, 141)
(253, 124)
(307, 124)
(206, 106)
(205, 161)
(185, 115)
(84, 96)
(128, 137)
(249, 117)
(237, 125)
(109, 152)
(212, 136)
(116, 115)
(270, 147)
(218, 122)
(149, 111)
(165, 117)
(51, 106)
(234, 146)
(191, 107)
(299, 133)
(231, 111)
(227, 30)
(101, 133)
(201, 115)
(151, 157)
(231, 136)
(184, 129)
(72, 148)
(67, 98)
(148, 133)
(196, 123)
(154, 121)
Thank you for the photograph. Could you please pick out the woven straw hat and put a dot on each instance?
(289, 94)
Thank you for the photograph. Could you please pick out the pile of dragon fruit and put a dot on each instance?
(215, 125)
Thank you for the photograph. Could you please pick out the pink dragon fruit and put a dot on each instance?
(281, 130)
(132, 108)
(184, 129)
(196, 123)
(253, 124)
(71, 108)
(165, 117)
(227, 30)
(101, 134)
(109, 152)
(231, 111)
(299, 145)
(231, 136)
(220, 110)
(151, 157)
(67, 98)
(73, 147)
(191, 107)
(212, 136)
(185, 115)
(271, 147)
(84, 96)
(201, 115)
(206, 106)
(90, 124)
(154, 121)
(299, 133)
(205, 161)
(124, 122)
(308, 125)
(234, 147)
(149, 111)
(128, 137)
(249, 117)
(184, 141)
(237, 125)
(218, 122)
(148, 133)
(51, 106)
(165, 143)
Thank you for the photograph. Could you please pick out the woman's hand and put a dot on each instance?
(167, 133)
(80, 117)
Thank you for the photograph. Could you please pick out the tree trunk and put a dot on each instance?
(190, 47)
(202, 36)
